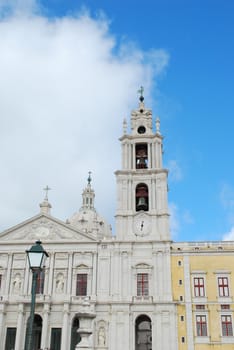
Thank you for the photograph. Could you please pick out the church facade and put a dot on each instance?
(136, 290)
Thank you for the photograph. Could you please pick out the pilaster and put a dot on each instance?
(45, 326)
(66, 316)
(2, 322)
(20, 324)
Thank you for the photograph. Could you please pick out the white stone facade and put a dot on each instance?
(116, 300)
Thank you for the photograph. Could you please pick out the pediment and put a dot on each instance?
(45, 228)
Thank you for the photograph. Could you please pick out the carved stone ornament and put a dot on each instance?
(42, 229)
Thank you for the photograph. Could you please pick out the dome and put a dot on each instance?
(87, 219)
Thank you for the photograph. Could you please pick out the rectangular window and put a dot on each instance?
(199, 287)
(201, 326)
(55, 341)
(40, 282)
(226, 325)
(10, 338)
(0, 281)
(142, 284)
(225, 307)
(81, 284)
(200, 307)
(223, 286)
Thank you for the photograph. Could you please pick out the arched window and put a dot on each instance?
(141, 156)
(143, 333)
(142, 201)
(75, 337)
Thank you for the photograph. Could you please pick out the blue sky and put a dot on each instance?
(181, 51)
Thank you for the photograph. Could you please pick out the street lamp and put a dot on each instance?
(36, 258)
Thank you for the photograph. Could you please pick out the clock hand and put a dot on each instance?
(142, 225)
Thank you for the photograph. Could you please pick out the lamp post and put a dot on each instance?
(36, 258)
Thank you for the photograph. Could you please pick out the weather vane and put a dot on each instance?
(46, 189)
(89, 178)
(141, 91)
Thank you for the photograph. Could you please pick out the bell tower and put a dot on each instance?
(142, 203)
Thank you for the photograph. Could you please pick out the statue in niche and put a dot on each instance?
(59, 283)
(101, 336)
(17, 283)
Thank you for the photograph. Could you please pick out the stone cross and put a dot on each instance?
(46, 189)
(140, 91)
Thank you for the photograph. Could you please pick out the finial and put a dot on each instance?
(140, 91)
(158, 125)
(89, 178)
(125, 126)
(45, 205)
(46, 189)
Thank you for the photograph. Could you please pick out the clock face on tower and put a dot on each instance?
(142, 224)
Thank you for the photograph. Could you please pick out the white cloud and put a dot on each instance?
(187, 217)
(174, 220)
(18, 7)
(229, 236)
(65, 88)
(227, 201)
(179, 217)
(227, 196)
(175, 171)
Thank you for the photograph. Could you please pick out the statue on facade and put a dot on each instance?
(17, 283)
(60, 283)
(101, 337)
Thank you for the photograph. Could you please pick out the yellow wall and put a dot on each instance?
(211, 263)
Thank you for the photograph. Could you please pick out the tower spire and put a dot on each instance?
(142, 207)
(45, 205)
(88, 194)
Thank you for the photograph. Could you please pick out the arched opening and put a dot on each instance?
(37, 329)
(75, 337)
(141, 156)
(142, 201)
(143, 333)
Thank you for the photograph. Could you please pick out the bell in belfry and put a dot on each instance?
(141, 203)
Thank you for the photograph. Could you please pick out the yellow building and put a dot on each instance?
(203, 286)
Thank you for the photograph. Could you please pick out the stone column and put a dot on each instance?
(160, 275)
(66, 312)
(49, 289)
(26, 281)
(69, 274)
(133, 165)
(116, 270)
(8, 276)
(45, 326)
(155, 291)
(94, 276)
(19, 331)
(2, 316)
(154, 159)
